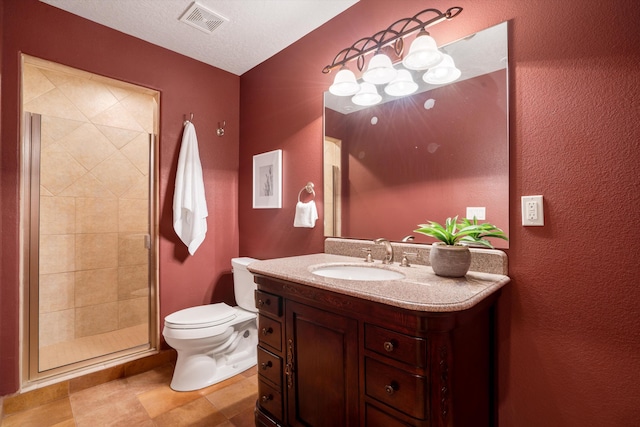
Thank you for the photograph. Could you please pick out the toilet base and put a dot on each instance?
(195, 370)
(190, 378)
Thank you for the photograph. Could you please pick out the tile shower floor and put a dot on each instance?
(85, 348)
(146, 400)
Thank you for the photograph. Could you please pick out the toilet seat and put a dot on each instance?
(203, 316)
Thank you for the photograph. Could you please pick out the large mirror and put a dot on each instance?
(440, 152)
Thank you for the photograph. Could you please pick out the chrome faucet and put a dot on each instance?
(388, 258)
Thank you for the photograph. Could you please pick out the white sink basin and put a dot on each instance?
(357, 272)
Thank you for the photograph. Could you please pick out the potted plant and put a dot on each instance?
(451, 256)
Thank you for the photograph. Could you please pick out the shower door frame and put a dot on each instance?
(30, 196)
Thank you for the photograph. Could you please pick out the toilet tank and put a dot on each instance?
(243, 284)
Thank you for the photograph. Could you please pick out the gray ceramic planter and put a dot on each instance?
(450, 261)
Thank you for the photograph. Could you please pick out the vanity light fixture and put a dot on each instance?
(345, 83)
(444, 72)
(368, 95)
(402, 85)
(380, 70)
(423, 55)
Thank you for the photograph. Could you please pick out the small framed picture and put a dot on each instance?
(267, 180)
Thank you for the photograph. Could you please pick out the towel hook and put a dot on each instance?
(187, 121)
(309, 188)
(220, 130)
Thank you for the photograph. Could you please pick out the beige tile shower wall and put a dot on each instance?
(94, 175)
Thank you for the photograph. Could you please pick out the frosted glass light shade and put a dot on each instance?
(368, 95)
(380, 70)
(444, 72)
(402, 85)
(344, 83)
(423, 53)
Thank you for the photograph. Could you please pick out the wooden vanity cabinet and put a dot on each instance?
(328, 359)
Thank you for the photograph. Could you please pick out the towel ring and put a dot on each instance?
(309, 188)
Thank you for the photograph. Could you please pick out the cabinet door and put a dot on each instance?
(321, 367)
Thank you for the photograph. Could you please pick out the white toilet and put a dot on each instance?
(215, 341)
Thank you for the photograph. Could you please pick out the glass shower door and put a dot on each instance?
(89, 210)
(90, 245)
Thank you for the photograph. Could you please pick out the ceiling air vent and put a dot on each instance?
(202, 18)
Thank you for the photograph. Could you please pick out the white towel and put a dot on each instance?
(189, 204)
(306, 215)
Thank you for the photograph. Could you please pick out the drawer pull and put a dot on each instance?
(391, 388)
(389, 346)
(265, 398)
(267, 331)
(266, 365)
(262, 303)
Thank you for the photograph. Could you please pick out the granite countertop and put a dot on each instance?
(419, 290)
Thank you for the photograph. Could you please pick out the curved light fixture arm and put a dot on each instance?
(389, 36)
(350, 53)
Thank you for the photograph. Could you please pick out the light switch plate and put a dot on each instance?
(532, 211)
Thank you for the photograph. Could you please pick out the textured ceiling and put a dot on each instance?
(255, 31)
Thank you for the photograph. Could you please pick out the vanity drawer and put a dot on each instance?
(270, 366)
(268, 303)
(374, 417)
(270, 399)
(399, 389)
(270, 332)
(404, 348)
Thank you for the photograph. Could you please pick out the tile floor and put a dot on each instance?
(146, 400)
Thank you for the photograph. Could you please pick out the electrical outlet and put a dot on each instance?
(532, 211)
(478, 212)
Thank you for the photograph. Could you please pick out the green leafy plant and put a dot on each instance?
(465, 232)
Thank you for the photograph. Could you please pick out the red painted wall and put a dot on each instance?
(186, 86)
(568, 323)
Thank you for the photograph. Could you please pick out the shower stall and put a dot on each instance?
(89, 229)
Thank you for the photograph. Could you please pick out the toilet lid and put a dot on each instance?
(202, 316)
